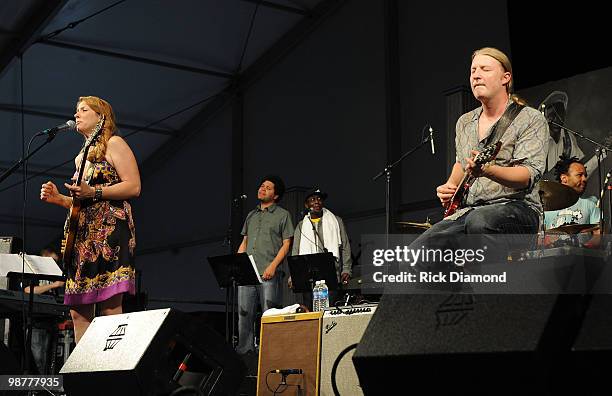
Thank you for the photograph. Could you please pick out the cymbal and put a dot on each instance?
(573, 229)
(409, 227)
(409, 224)
(556, 196)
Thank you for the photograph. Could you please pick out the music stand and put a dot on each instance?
(34, 269)
(231, 271)
(306, 269)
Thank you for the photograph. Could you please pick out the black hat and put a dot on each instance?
(555, 97)
(317, 192)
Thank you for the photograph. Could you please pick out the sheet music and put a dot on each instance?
(255, 268)
(33, 265)
(43, 265)
(12, 263)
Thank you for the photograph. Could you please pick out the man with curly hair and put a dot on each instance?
(571, 172)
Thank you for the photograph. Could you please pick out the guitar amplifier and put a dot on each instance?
(10, 244)
(341, 332)
(290, 342)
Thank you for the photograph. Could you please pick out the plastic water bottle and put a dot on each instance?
(323, 296)
(316, 297)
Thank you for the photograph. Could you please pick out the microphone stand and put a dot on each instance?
(314, 231)
(387, 172)
(17, 164)
(316, 234)
(608, 187)
(231, 294)
(29, 321)
(311, 272)
(599, 152)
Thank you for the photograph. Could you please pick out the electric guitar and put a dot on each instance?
(70, 227)
(487, 154)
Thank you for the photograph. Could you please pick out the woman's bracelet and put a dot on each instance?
(98, 194)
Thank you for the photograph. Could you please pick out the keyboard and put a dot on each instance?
(12, 302)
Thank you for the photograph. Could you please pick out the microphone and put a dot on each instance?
(433, 147)
(243, 196)
(67, 126)
(287, 371)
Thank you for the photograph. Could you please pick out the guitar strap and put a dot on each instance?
(500, 128)
(504, 122)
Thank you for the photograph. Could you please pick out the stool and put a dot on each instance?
(64, 342)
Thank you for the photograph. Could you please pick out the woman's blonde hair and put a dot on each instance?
(100, 106)
(503, 59)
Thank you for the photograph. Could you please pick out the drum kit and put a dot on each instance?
(556, 196)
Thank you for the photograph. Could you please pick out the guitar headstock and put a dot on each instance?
(488, 153)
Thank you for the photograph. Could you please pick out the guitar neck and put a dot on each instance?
(88, 145)
(82, 166)
(70, 228)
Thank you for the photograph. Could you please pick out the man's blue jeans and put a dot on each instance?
(268, 294)
(486, 222)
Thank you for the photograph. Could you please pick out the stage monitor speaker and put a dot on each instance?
(592, 349)
(139, 353)
(10, 244)
(472, 344)
(289, 342)
(341, 332)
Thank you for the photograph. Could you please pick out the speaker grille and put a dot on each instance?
(290, 342)
(342, 329)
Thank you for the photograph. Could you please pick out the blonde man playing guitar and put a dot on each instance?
(502, 197)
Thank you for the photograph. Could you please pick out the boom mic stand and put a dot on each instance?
(21, 161)
(606, 188)
(29, 322)
(387, 172)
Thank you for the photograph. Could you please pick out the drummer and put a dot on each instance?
(571, 172)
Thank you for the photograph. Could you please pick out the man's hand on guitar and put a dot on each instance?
(473, 168)
(445, 192)
(82, 191)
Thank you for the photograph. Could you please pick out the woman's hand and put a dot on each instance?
(49, 193)
(81, 191)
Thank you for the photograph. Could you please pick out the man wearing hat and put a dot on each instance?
(321, 231)
(561, 142)
(267, 234)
